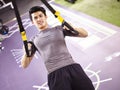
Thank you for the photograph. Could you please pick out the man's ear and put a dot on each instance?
(32, 22)
(46, 16)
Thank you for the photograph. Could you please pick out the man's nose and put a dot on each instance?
(39, 18)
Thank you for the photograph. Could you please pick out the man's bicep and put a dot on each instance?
(68, 33)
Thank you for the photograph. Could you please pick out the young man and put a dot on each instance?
(63, 72)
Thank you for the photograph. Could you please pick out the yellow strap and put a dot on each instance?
(24, 37)
(59, 17)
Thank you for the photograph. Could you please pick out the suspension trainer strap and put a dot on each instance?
(21, 28)
(57, 15)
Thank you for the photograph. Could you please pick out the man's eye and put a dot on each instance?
(35, 17)
(40, 15)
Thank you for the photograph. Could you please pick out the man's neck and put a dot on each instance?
(44, 28)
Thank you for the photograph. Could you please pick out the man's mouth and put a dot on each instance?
(40, 23)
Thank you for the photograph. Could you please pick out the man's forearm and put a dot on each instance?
(25, 61)
(82, 32)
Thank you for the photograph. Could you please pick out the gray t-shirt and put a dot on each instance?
(50, 44)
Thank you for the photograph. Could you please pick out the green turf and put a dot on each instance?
(107, 10)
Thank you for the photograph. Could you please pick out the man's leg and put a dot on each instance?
(80, 81)
(59, 80)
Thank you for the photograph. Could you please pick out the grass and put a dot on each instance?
(106, 10)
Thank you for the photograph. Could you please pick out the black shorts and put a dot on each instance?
(71, 77)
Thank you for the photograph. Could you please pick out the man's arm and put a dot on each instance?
(26, 60)
(82, 32)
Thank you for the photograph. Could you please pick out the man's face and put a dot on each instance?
(39, 20)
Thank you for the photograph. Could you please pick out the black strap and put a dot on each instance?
(48, 6)
(21, 28)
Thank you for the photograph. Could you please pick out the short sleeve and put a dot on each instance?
(68, 33)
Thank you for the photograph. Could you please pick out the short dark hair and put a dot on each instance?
(35, 9)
